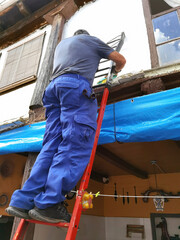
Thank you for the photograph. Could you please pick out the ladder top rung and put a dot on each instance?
(60, 224)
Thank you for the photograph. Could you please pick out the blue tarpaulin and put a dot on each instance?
(152, 117)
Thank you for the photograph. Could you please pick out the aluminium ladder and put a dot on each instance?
(75, 218)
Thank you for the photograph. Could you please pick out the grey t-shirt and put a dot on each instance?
(79, 54)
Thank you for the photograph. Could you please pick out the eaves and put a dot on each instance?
(19, 18)
(145, 82)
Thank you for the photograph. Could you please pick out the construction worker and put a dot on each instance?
(70, 129)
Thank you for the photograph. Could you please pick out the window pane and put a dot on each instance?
(169, 53)
(166, 27)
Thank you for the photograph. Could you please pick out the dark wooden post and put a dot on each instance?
(30, 232)
(46, 69)
(150, 32)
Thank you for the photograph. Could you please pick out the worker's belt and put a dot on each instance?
(85, 92)
(74, 75)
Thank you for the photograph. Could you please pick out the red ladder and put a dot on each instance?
(75, 218)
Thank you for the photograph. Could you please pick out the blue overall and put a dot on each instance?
(67, 143)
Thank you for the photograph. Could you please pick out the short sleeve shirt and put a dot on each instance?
(81, 55)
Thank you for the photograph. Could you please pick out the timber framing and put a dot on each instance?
(121, 163)
(150, 32)
(27, 22)
(131, 85)
(19, 18)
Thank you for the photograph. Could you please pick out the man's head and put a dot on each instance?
(81, 31)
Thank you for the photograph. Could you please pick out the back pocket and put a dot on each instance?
(68, 93)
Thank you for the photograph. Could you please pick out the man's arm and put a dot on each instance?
(118, 59)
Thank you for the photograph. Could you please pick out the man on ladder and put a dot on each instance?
(70, 129)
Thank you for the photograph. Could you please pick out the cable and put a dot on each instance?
(114, 117)
(121, 196)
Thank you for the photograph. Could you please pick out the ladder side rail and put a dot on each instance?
(119, 46)
(75, 218)
(74, 223)
(21, 230)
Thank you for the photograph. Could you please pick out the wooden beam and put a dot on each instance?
(177, 143)
(99, 177)
(66, 12)
(29, 164)
(24, 10)
(36, 17)
(152, 86)
(67, 9)
(118, 162)
(47, 65)
(1, 26)
(150, 32)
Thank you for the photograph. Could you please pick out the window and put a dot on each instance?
(165, 42)
(21, 64)
(167, 37)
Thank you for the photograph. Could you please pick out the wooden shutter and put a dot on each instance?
(22, 64)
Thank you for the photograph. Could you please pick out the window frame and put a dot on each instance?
(23, 81)
(150, 30)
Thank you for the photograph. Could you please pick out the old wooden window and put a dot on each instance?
(165, 28)
(21, 64)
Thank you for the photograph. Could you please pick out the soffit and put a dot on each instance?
(20, 18)
(139, 155)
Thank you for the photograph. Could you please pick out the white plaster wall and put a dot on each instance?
(108, 18)
(91, 228)
(102, 18)
(15, 104)
(96, 228)
(116, 228)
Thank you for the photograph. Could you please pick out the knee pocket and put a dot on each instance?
(83, 130)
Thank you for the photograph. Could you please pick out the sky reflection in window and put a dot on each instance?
(166, 27)
(169, 53)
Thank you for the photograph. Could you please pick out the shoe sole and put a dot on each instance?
(37, 216)
(14, 212)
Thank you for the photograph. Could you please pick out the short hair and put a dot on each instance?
(81, 31)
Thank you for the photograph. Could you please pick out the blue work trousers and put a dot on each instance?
(67, 143)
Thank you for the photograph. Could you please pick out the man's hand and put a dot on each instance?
(118, 59)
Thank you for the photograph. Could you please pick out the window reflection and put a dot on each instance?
(169, 53)
(166, 27)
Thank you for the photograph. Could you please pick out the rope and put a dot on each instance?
(130, 196)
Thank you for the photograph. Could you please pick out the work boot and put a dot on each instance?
(18, 212)
(54, 214)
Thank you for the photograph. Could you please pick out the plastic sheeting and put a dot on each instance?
(148, 118)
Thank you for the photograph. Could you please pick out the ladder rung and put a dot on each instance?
(60, 224)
